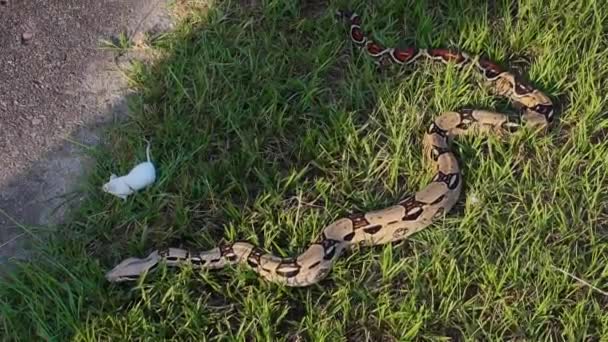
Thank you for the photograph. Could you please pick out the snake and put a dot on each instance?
(390, 224)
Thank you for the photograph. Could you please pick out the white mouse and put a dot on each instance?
(138, 178)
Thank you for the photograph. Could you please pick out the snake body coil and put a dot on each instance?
(390, 224)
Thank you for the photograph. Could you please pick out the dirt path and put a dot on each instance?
(56, 82)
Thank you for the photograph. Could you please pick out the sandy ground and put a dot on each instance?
(57, 83)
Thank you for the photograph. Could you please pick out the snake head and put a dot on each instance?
(130, 269)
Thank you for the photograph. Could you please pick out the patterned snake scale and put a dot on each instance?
(386, 225)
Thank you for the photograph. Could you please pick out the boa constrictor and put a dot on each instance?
(390, 224)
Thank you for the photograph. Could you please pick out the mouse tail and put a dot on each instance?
(148, 150)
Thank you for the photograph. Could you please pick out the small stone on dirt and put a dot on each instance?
(36, 121)
(26, 37)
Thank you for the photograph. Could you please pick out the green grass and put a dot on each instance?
(266, 125)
